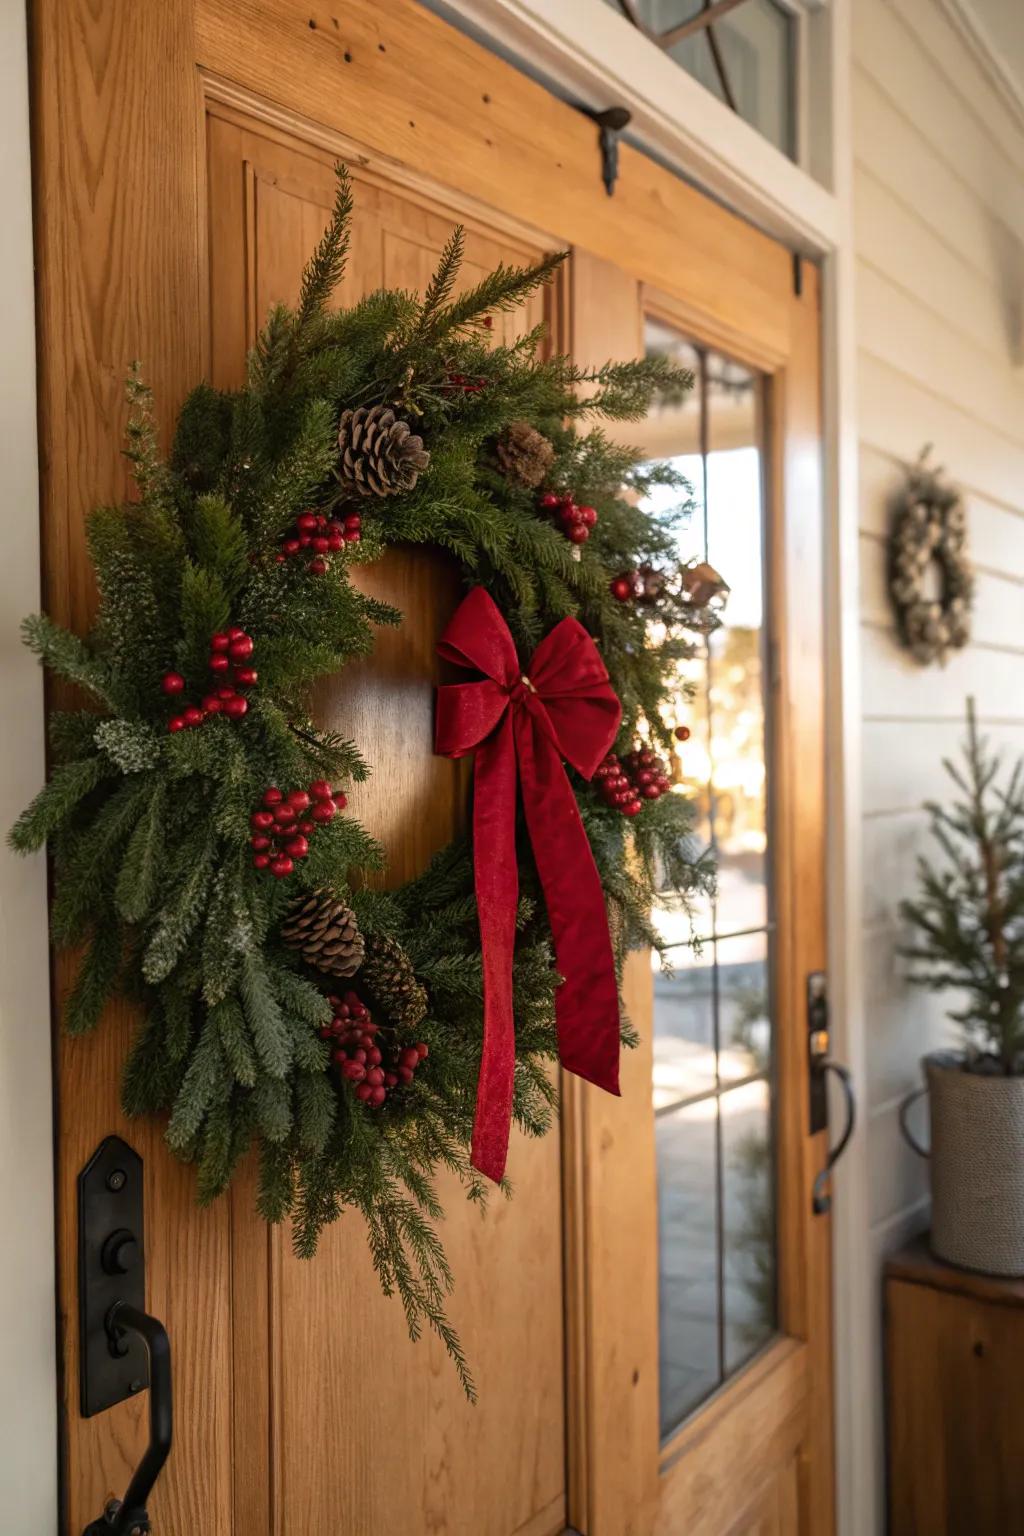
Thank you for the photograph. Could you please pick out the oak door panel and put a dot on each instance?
(365, 1429)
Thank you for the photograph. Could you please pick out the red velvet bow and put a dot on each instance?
(564, 707)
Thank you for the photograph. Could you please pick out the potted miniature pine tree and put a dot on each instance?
(968, 935)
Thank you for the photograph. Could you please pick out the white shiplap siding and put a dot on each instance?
(939, 236)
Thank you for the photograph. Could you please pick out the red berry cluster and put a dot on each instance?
(576, 522)
(315, 536)
(626, 784)
(359, 1058)
(463, 384)
(230, 650)
(281, 829)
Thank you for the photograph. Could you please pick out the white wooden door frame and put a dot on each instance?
(595, 58)
(28, 1354)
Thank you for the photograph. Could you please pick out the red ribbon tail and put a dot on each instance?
(496, 879)
(587, 1002)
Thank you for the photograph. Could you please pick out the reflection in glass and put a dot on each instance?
(744, 1007)
(684, 1029)
(748, 1221)
(713, 1064)
(688, 1248)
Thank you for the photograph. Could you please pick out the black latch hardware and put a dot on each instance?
(610, 123)
(820, 1067)
(122, 1348)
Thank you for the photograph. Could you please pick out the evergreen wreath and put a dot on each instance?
(929, 527)
(197, 816)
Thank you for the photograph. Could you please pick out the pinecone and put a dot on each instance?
(324, 930)
(380, 455)
(389, 978)
(524, 455)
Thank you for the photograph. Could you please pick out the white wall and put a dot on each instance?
(28, 1391)
(939, 239)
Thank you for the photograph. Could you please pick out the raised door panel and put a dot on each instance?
(366, 1431)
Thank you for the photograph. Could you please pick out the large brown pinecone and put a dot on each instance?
(324, 930)
(524, 455)
(388, 976)
(380, 454)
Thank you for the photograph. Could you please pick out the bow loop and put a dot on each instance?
(563, 706)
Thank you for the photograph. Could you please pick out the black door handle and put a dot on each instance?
(127, 1516)
(821, 1200)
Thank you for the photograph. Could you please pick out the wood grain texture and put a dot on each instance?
(955, 1428)
(116, 165)
(330, 1349)
(408, 84)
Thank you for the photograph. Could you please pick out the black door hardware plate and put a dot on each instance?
(110, 1268)
(817, 1048)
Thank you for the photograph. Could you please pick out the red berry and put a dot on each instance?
(364, 1092)
(225, 693)
(352, 536)
(579, 533)
(354, 1071)
(298, 799)
(284, 813)
(238, 650)
(379, 1094)
(335, 542)
(291, 546)
(422, 1050)
(246, 677)
(281, 866)
(405, 1074)
(235, 707)
(261, 860)
(297, 847)
(621, 589)
(391, 1079)
(279, 559)
(374, 1056)
(320, 790)
(549, 500)
(340, 800)
(172, 682)
(236, 633)
(306, 522)
(175, 723)
(219, 662)
(259, 842)
(272, 796)
(220, 641)
(645, 776)
(410, 1057)
(317, 567)
(651, 791)
(587, 515)
(304, 540)
(682, 733)
(192, 715)
(375, 1076)
(323, 810)
(632, 808)
(211, 704)
(320, 544)
(261, 820)
(353, 520)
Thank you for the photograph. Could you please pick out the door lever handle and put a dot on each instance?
(127, 1516)
(821, 1199)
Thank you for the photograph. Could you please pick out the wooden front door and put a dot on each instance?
(184, 155)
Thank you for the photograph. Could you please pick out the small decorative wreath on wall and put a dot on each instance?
(929, 528)
(207, 857)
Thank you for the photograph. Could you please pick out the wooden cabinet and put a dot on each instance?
(955, 1399)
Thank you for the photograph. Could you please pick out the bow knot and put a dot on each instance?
(525, 723)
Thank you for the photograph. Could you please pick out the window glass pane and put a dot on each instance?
(684, 1028)
(756, 48)
(748, 1220)
(688, 1259)
(735, 667)
(713, 1022)
(744, 1007)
